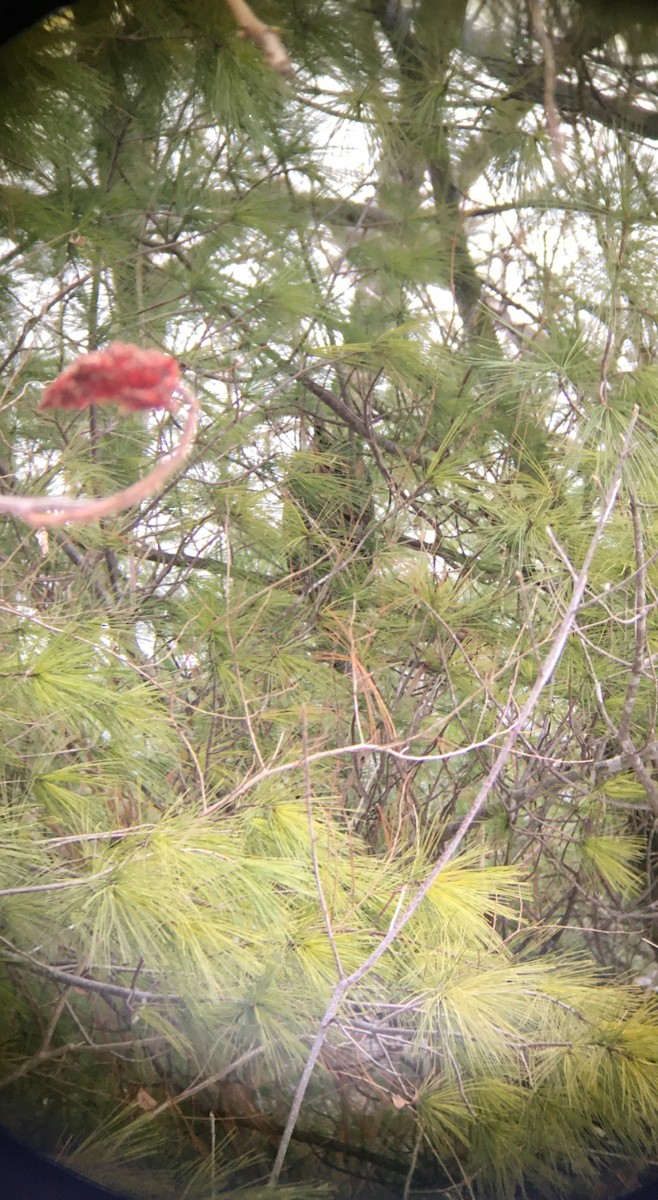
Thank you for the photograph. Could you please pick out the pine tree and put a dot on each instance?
(255, 813)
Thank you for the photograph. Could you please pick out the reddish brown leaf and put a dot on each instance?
(120, 374)
(145, 1100)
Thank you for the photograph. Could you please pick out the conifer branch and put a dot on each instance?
(398, 923)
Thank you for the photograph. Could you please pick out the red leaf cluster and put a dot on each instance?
(120, 374)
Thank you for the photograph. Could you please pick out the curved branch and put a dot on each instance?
(48, 512)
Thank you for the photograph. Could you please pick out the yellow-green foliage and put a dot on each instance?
(241, 914)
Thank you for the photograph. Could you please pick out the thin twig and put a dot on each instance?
(621, 732)
(412, 1165)
(233, 647)
(354, 748)
(637, 669)
(314, 854)
(194, 1088)
(552, 119)
(44, 1056)
(84, 984)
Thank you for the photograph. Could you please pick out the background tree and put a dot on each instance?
(412, 285)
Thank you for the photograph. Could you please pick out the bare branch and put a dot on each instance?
(552, 119)
(88, 985)
(54, 886)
